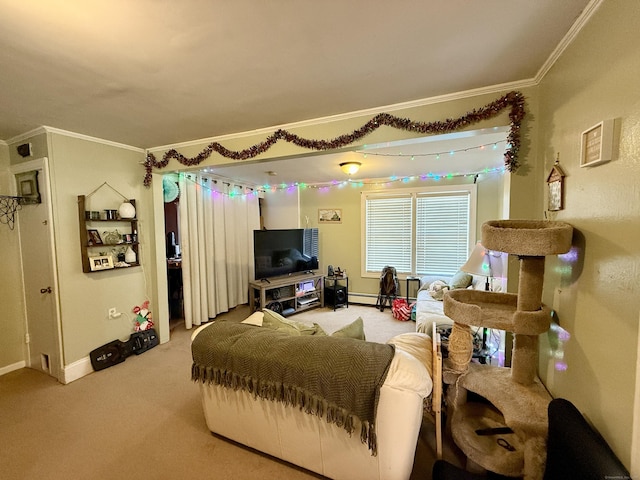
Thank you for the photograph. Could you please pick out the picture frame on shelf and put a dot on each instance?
(28, 190)
(329, 215)
(93, 237)
(102, 262)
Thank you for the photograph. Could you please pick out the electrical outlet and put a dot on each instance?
(113, 313)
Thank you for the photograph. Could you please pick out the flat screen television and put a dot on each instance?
(284, 252)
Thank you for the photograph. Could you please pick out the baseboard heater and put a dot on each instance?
(363, 298)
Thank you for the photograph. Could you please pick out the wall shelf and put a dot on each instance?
(89, 247)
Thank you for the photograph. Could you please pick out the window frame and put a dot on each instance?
(414, 193)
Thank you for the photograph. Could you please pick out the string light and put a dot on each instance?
(431, 154)
(383, 182)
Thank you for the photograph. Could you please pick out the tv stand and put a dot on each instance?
(287, 295)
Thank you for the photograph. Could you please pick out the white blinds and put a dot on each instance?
(419, 233)
(388, 233)
(442, 233)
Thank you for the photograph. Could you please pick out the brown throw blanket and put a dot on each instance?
(335, 378)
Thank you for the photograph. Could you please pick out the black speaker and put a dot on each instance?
(336, 295)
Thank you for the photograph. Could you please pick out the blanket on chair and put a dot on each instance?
(335, 378)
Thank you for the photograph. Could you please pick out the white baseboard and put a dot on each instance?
(12, 367)
(363, 298)
(76, 370)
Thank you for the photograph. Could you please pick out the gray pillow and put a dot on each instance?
(460, 280)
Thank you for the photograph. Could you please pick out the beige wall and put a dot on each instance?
(79, 166)
(595, 79)
(12, 326)
(340, 244)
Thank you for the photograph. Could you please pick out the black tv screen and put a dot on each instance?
(284, 252)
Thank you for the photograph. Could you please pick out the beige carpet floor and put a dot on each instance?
(142, 419)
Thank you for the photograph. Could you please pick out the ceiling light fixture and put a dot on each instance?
(350, 167)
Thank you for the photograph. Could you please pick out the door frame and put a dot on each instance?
(42, 165)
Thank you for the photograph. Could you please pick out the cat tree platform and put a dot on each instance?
(495, 310)
(513, 397)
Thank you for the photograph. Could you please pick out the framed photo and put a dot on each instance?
(28, 190)
(127, 238)
(329, 215)
(93, 237)
(104, 262)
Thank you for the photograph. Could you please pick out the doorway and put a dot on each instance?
(171, 196)
(40, 283)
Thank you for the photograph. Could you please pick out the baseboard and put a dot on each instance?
(363, 298)
(76, 370)
(12, 367)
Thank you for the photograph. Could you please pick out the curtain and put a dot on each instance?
(217, 219)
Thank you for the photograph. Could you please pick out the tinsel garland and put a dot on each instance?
(514, 100)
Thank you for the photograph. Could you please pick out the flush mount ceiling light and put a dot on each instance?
(350, 167)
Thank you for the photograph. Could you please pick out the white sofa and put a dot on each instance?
(312, 443)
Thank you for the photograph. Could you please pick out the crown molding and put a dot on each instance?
(26, 135)
(93, 139)
(580, 22)
(66, 133)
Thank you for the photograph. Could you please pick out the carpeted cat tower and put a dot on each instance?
(505, 397)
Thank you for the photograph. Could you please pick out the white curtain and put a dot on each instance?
(217, 220)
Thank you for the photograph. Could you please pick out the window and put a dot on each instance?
(418, 231)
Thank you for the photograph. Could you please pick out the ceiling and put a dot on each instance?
(147, 73)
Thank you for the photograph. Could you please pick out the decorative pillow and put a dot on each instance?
(354, 330)
(437, 289)
(276, 321)
(460, 280)
(417, 344)
(427, 280)
(256, 318)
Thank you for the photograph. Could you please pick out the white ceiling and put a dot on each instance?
(147, 73)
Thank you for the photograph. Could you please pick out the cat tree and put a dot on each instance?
(514, 396)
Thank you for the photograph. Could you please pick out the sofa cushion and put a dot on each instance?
(276, 321)
(460, 280)
(406, 372)
(427, 280)
(417, 344)
(256, 318)
(354, 330)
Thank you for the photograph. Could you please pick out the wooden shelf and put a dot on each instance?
(129, 224)
(286, 292)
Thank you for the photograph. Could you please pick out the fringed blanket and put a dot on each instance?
(335, 378)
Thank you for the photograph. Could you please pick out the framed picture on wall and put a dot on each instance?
(329, 215)
(28, 190)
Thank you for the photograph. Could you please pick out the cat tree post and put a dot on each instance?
(524, 359)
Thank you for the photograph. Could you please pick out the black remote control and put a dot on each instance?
(493, 431)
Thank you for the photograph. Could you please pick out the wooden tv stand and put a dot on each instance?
(289, 292)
